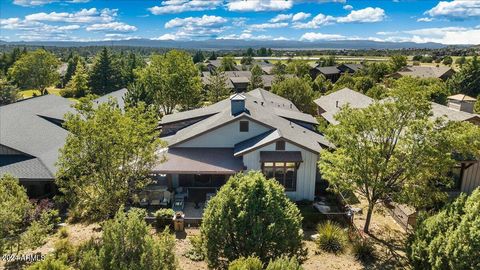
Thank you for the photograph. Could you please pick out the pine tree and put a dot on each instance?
(78, 85)
(105, 75)
(217, 87)
(256, 80)
(198, 57)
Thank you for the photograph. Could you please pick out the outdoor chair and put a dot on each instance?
(143, 199)
(166, 198)
(156, 198)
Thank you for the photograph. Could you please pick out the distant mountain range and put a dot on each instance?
(229, 44)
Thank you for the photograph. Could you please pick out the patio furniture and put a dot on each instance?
(167, 196)
(156, 197)
(178, 204)
(181, 192)
(143, 199)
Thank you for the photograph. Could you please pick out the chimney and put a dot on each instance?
(237, 104)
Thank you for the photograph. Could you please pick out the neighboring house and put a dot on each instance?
(256, 130)
(440, 72)
(461, 102)
(331, 73)
(239, 80)
(329, 105)
(31, 136)
(350, 68)
(466, 175)
(213, 65)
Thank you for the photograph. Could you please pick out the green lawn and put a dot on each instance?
(31, 92)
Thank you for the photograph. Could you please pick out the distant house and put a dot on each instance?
(350, 68)
(466, 175)
(256, 130)
(239, 80)
(440, 72)
(31, 136)
(331, 73)
(461, 102)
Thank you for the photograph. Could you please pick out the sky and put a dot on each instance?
(447, 22)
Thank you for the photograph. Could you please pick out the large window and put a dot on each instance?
(284, 172)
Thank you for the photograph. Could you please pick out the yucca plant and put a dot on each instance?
(331, 237)
(364, 251)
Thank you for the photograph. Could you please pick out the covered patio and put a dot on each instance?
(194, 175)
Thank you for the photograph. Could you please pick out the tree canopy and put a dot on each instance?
(105, 74)
(256, 80)
(227, 63)
(450, 238)
(397, 62)
(247, 217)
(107, 156)
(393, 149)
(217, 87)
(467, 80)
(36, 69)
(78, 85)
(8, 92)
(298, 67)
(298, 91)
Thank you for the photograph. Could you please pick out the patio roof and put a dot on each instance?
(281, 156)
(200, 161)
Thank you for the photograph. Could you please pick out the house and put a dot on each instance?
(331, 73)
(466, 175)
(213, 65)
(424, 72)
(461, 102)
(329, 105)
(349, 68)
(256, 130)
(239, 80)
(31, 136)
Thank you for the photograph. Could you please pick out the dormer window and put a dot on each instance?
(243, 126)
(280, 146)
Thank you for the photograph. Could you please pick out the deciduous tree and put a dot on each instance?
(256, 80)
(397, 62)
(227, 63)
(393, 149)
(298, 91)
(107, 156)
(467, 80)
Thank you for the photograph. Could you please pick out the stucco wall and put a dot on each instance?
(226, 136)
(305, 175)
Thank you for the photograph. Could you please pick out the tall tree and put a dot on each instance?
(71, 67)
(227, 63)
(107, 156)
(392, 149)
(78, 85)
(105, 74)
(298, 67)
(213, 56)
(129, 66)
(467, 80)
(297, 90)
(246, 217)
(36, 69)
(256, 80)
(217, 87)
(448, 239)
(198, 57)
(8, 92)
(138, 92)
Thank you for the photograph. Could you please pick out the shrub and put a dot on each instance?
(284, 264)
(364, 251)
(255, 216)
(50, 263)
(196, 253)
(164, 217)
(34, 236)
(331, 237)
(63, 232)
(64, 250)
(67, 93)
(250, 263)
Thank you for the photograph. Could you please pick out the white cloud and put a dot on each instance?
(281, 17)
(316, 22)
(30, 3)
(247, 35)
(166, 37)
(435, 32)
(458, 9)
(259, 5)
(205, 20)
(263, 26)
(179, 6)
(319, 36)
(112, 36)
(112, 27)
(25, 25)
(347, 7)
(426, 19)
(443, 35)
(368, 14)
(83, 16)
(300, 16)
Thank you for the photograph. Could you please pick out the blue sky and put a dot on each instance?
(448, 22)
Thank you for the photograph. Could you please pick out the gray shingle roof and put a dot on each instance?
(328, 70)
(439, 110)
(424, 71)
(264, 114)
(344, 96)
(28, 169)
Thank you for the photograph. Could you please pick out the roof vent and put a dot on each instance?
(237, 104)
(336, 104)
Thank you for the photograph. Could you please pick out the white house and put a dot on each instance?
(256, 130)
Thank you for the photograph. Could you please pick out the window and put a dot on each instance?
(280, 145)
(284, 172)
(243, 126)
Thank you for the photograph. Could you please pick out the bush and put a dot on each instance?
(254, 215)
(250, 263)
(50, 263)
(64, 250)
(63, 232)
(67, 93)
(364, 251)
(164, 217)
(284, 264)
(331, 237)
(196, 253)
